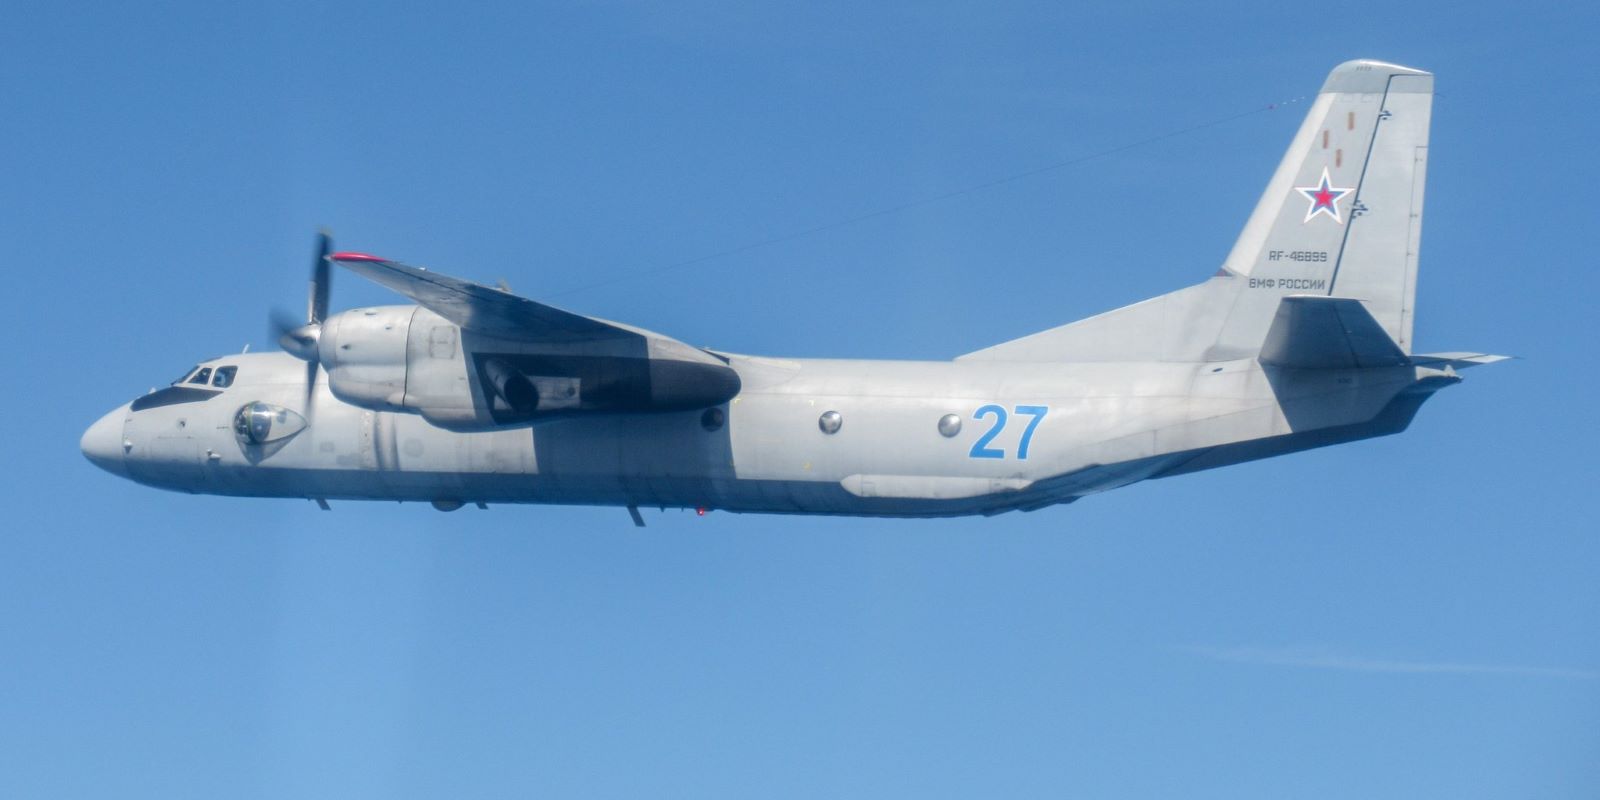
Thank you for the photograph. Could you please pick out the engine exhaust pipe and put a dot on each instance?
(512, 386)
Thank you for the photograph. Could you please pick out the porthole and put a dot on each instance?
(829, 422)
(949, 425)
(713, 419)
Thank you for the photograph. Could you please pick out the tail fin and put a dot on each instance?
(1342, 216)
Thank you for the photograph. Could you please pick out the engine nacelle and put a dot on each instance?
(409, 358)
(364, 352)
(463, 380)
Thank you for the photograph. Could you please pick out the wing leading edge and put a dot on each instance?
(475, 307)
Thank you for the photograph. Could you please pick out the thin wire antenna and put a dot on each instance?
(903, 207)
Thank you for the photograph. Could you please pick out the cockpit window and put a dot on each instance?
(185, 375)
(224, 377)
(202, 377)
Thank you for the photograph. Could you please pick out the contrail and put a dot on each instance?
(1325, 658)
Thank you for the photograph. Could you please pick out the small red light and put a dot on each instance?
(701, 511)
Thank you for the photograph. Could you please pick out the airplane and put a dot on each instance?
(474, 395)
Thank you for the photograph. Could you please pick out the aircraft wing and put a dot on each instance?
(480, 308)
(533, 361)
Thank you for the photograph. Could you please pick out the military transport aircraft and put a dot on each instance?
(1301, 339)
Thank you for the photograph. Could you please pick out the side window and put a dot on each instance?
(202, 377)
(185, 376)
(224, 377)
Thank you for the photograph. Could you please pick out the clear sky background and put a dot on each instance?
(1416, 616)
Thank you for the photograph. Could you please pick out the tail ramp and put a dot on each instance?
(1340, 218)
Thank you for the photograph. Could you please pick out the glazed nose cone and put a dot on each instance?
(102, 443)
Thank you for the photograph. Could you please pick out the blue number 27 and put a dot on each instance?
(981, 448)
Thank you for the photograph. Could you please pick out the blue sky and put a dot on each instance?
(1410, 616)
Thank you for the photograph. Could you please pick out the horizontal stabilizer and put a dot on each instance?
(1457, 361)
(1317, 332)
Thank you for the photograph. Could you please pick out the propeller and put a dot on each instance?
(298, 338)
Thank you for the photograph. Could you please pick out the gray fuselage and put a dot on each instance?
(1101, 426)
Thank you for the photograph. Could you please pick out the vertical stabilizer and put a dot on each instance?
(1343, 213)
(1341, 216)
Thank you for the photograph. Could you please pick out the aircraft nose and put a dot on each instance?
(102, 443)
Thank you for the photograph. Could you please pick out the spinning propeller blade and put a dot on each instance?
(298, 338)
(317, 304)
